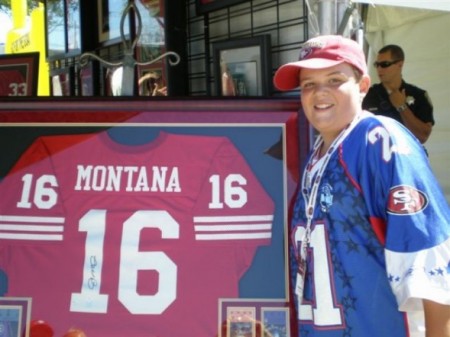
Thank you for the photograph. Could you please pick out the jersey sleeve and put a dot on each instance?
(33, 212)
(232, 208)
(403, 193)
(46, 146)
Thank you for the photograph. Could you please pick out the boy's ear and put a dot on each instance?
(364, 84)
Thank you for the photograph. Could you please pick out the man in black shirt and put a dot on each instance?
(395, 98)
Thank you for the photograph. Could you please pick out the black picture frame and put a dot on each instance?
(242, 66)
(206, 6)
(19, 73)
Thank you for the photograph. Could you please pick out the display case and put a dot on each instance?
(138, 217)
(155, 39)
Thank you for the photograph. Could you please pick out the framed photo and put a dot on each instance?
(206, 6)
(253, 318)
(109, 16)
(15, 315)
(19, 74)
(241, 321)
(152, 78)
(152, 81)
(275, 321)
(242, 67)
(199, 168)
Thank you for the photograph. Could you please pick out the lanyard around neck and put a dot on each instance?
(310, 185)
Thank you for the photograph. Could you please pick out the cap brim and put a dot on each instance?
(287, 76)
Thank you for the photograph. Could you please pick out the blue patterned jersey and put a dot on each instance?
(380, 238)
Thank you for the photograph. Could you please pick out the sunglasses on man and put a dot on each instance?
(385, 64)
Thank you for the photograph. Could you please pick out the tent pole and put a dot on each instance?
(327, 16)
(332, 12)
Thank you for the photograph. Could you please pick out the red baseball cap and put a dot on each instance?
(321, 52)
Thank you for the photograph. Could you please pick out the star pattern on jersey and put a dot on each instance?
(351, 246)
(304, 332)
(347, 332)
(438, 271)
(346, 280)
(349, 303)
(393, 278)
(350, 237)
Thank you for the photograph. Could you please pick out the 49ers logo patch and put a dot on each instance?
(405, 200)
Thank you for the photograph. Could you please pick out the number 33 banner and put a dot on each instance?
(19, 74)
(113, 235)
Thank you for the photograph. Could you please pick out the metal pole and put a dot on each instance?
(327, 17)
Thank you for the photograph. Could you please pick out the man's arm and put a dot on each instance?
(420, 129)
(437, 319)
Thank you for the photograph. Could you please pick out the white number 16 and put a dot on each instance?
(131, 261)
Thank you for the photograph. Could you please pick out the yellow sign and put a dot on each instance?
(28, 35)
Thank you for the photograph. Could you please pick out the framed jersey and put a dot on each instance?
(19, 74)
(142, 218)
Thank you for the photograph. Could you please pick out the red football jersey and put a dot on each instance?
(12, 83)
(135, 239)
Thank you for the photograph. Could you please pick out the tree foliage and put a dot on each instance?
(5, 5)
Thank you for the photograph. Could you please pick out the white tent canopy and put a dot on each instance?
(440, 5)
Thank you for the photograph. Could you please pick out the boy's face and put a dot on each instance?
(331, 97)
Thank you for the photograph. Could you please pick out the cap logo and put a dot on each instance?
(308, 48)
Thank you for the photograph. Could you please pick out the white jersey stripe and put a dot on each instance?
(31, 228)
(238, 227)
(233, 236)
(17, 218)
(31, 237)
(236, 218)
(15, 227)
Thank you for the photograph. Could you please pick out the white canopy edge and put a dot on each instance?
(439, 5)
